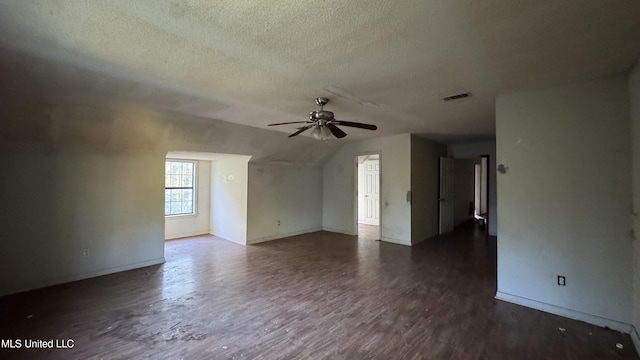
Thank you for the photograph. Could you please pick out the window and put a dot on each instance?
(179, 189)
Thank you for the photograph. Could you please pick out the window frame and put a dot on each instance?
(194, 187)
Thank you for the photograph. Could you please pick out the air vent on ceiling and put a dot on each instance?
(456, 96)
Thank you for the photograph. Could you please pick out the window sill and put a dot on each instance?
(181, 216)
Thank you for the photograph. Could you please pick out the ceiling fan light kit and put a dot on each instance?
(324, 123)
(321, 132)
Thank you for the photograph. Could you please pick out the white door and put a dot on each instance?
(371, 192)
(446, 195)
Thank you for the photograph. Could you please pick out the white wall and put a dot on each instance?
(339, 200)
(425, 180)
(474, 150)
(634, 90)
(464, 189)
(198, 223)
(229, 184)
(563, 205)
(291, 195)
(56, 204)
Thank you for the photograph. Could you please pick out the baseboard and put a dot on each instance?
(281, 236)
(636, 338)
(413, 243)
(117, 269)
(228, 239)
(87, 275)
(339, 231)
(568, 313)
(189, 234)
(396, 241)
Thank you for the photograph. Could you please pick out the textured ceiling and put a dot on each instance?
(253, 62)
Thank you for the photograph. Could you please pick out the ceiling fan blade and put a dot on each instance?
(293, 122)
(355, 124)
(336, 131)
(300, 130)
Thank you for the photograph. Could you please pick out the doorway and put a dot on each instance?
(481, 192)
(446, 196)
(368, 195)
(464, 192)
(211, 191)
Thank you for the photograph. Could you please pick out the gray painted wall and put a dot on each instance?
(289, 194)
(56, 205)
(474, 150)
(563, 205)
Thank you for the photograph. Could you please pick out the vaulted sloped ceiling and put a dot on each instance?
(252, 62)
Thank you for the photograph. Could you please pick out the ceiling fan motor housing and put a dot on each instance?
(321, 115)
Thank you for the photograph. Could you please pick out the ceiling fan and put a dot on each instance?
(324, 124)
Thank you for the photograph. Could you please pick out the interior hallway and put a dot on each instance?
(320, 295)
(371, 232)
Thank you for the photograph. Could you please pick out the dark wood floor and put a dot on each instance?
(314, 296)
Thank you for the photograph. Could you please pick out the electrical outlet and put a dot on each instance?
(85, 252)
(562, 281)
(278, 222)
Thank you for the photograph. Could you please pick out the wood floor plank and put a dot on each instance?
(314, 296)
